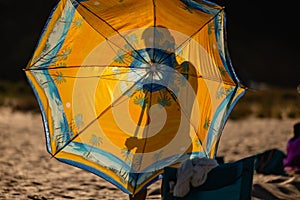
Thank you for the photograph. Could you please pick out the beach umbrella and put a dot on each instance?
(129, 87)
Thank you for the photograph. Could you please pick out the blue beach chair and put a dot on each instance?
(228, 181)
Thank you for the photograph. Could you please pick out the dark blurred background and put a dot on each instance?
(262, 39)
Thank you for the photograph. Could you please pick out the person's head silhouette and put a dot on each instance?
(159, 38)
(297, 130)
(159, 47)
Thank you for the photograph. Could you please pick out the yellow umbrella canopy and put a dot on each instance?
(128, 87)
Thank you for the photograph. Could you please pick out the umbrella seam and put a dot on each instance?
(191, 36)
(102, 113)
(115, 31)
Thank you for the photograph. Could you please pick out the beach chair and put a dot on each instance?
(270, 162)
(228, 181)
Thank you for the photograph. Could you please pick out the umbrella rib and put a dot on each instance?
(81, 66)
(145, 61)
(203, 77)
(143, 110)
(184, 112)
(140, 118)
(154, 13)
(100, 115)
(147, 127)
(154, 29)
(183, 73)
(190, 37)
(141, 60)
(74, 66)
(42, 57)
(104, 77)
(223, 123)
(186, 115)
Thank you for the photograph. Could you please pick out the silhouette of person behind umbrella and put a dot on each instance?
(292, 160)
(160, 87)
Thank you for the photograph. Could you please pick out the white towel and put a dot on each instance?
(192, 171)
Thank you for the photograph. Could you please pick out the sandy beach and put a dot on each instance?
(27, 171)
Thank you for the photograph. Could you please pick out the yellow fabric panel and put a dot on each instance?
(103, 19)
(44, 101)
(107, 171)
(177, 16)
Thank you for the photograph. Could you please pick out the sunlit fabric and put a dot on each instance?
(129, 87)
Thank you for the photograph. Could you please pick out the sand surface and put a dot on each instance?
(27, 171)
